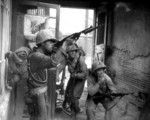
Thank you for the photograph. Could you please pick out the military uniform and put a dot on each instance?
(96, 89)
(78, 73)
(37, 82)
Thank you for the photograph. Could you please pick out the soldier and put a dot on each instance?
(100, 83)
(78, 73)
(38, 62)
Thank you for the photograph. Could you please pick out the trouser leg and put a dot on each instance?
(67, 93)
(90, 110)
(77, 92)
(75, 106)
(42, 107)
(33, 107)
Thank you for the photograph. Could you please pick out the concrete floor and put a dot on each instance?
(60, 115)
(22, 114)
(125, 110)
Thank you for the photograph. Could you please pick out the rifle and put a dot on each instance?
(75, 36)
(101, 95)
(121, 94)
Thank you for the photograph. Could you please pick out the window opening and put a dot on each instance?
(99, 52)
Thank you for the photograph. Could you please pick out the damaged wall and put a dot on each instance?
(130, 61)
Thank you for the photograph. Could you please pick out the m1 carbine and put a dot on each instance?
(100, 97)
(75, 36)
(121, 94)
(112, 95)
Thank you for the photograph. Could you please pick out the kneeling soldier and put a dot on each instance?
(100, 86)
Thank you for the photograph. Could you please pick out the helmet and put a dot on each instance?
(72, 48)
(98, 65)
(45, 35)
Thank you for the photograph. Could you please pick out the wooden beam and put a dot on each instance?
(51, 92)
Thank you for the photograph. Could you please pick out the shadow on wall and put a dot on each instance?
(110, 72)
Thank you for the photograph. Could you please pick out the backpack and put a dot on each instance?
(17, 63)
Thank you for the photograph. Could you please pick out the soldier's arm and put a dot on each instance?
(110, 84)
(92, 88)
(82, 74)
(45, 61)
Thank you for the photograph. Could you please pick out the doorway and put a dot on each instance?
(65, 21)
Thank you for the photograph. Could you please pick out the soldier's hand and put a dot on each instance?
(76, 36)
(54, 49)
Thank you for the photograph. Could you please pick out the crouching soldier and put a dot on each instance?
(100, 85)
(78, 73)
(38, 63)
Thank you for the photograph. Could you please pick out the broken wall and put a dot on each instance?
(130, 61)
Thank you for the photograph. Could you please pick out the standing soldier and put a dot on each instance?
(100, 83)
(38, 63)
(78, 73)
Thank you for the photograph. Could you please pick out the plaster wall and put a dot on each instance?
(130, 61)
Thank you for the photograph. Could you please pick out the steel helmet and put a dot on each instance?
(72, 48)
(98, 65)
(45, 35)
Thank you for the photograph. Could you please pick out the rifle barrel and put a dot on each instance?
(91, 29)
(121, 94)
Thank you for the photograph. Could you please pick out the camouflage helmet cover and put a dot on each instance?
(98, 65)
(45, 35)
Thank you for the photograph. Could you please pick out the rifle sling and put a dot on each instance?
(32, 76)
